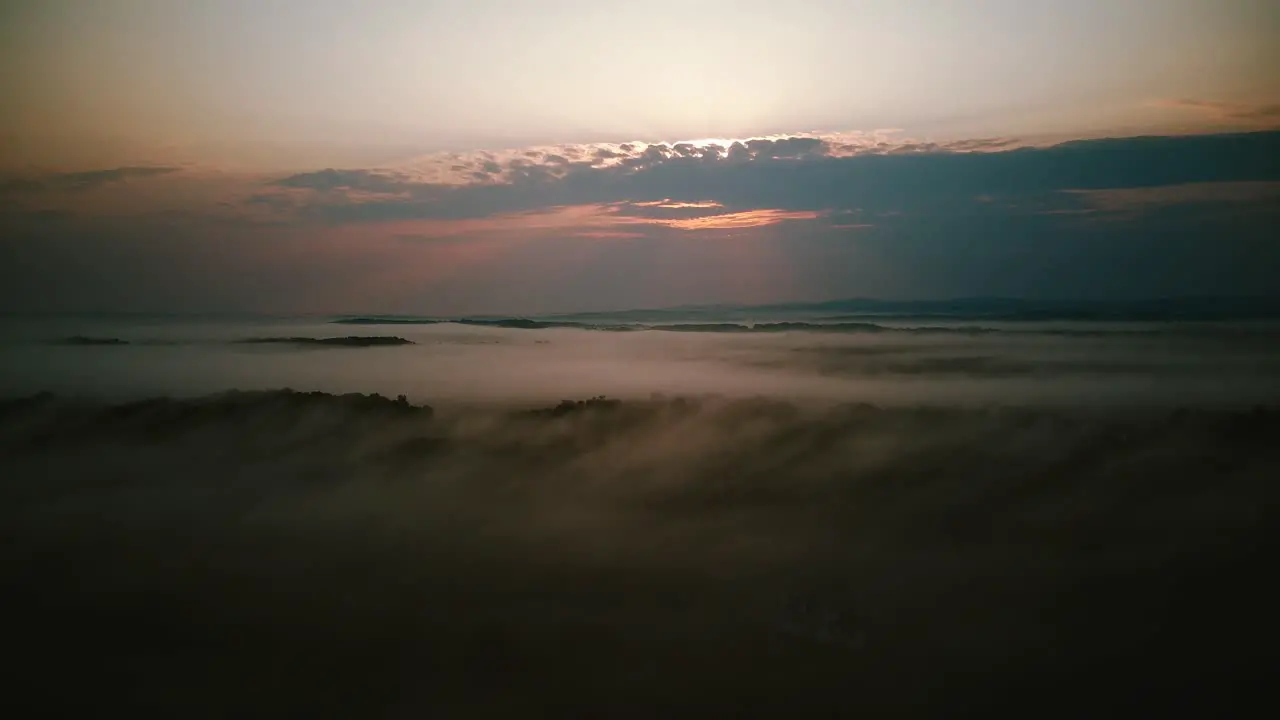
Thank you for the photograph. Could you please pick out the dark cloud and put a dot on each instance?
(800, 174)
(738, 152)
(978, 144)
(1262, 112)
(1109, 218)
(330, 179)
(910, 148)
(86, 180)
(271, 200)
(649, 157)
(1267, 113)
(1112, 217)
(704, 152)
(521, 171)
(794, 148)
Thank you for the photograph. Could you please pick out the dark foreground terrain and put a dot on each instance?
(269, 554)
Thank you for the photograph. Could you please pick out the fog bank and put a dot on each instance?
(258, 553)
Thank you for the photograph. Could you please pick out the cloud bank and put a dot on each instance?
(612, 226)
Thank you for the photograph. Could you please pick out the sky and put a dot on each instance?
(500, 156)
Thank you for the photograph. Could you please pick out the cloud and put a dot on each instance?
(598, 220)
(810, 217)
(740, 220)
(668, 203)
(85, 180)
(794, 148)
(981, 144)
(1259, 113)
(1143, 198)
(910, 148)
(608, 234)
(802, 175)
(330, 179)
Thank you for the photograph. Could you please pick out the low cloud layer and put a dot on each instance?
(78, 181)
(891, 362)
(320, 554)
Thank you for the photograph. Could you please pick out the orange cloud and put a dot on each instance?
(738, 220)
(591, 221)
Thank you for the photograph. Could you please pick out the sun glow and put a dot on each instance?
(708, 142)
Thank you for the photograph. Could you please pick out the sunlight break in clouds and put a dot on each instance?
(596, 221)
(745, 219)
(671, 205)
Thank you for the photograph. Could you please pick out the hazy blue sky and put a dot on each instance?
(493, 156)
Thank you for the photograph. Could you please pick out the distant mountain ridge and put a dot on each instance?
(1192, 308)
(862, 314)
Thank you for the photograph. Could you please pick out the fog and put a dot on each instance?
(452, 364)
(258, 553)
(710, 519)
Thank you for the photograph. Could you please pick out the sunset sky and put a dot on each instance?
(518, 157)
